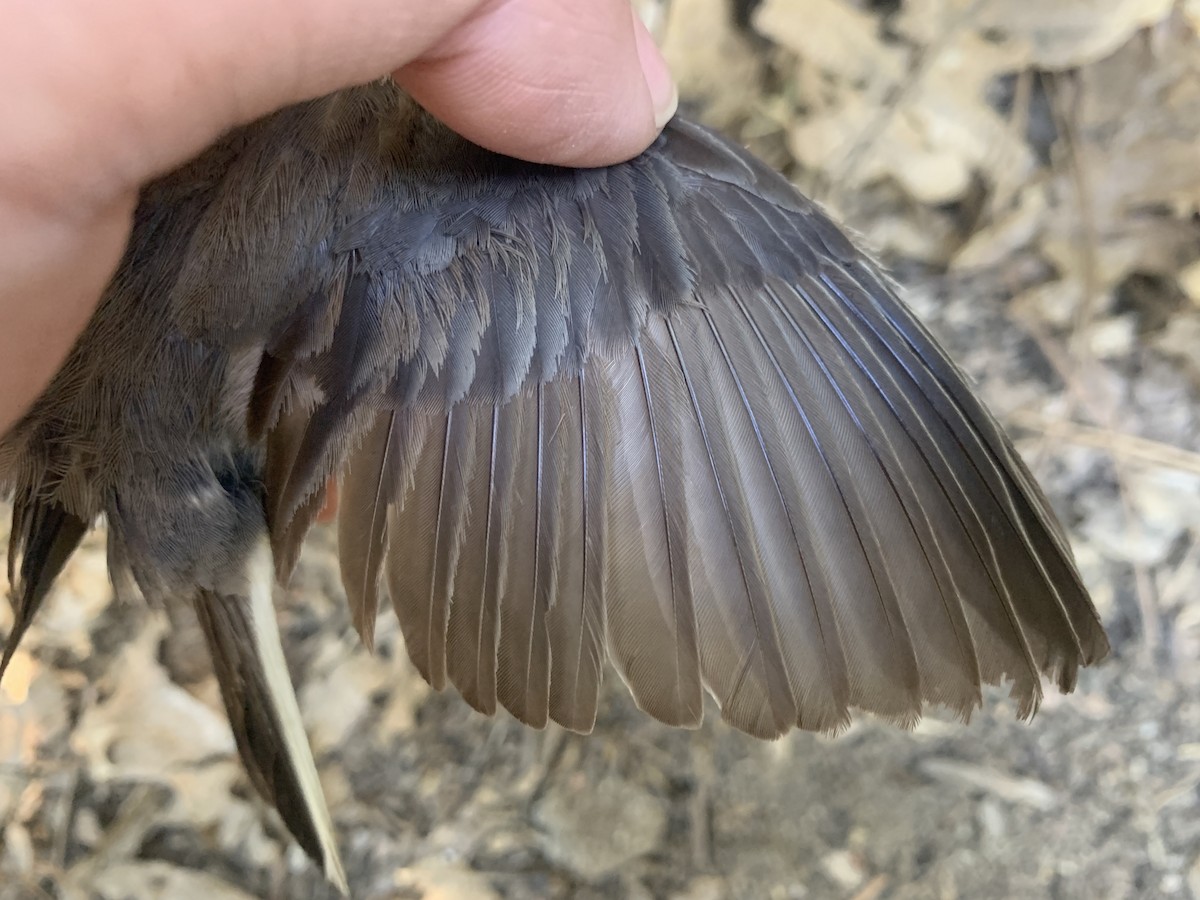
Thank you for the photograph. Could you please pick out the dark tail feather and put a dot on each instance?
(45, 536)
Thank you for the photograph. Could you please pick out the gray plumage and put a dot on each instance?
(663, 414)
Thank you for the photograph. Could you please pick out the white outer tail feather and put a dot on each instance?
(260, 570)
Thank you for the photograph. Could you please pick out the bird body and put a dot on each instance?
(662, 413)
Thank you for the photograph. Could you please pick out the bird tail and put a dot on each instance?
(243, 638)
(44, 536)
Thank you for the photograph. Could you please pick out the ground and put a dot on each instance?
(1028, 171)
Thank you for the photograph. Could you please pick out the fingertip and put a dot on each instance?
(664, 95)
(601, 96)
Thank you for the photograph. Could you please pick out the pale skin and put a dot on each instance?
(101, 97)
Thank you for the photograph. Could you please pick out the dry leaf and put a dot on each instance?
(1007, 233)
(833, 35)
(1063, 34)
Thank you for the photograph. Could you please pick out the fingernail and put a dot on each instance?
(663, 92)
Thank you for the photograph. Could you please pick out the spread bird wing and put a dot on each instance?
(662, 414)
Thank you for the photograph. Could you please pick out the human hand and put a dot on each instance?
(102, 97)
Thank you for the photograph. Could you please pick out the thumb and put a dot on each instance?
(574, 82)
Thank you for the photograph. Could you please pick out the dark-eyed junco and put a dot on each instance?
(663, 414)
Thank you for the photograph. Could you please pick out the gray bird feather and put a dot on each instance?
(663, 414)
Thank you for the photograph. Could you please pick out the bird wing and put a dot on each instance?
(663, 414)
